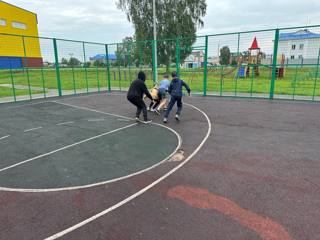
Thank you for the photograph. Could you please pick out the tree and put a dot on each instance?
(74, 62)
(225, 55)
(126, 52)
(64, 61)
(96, 63)
(174, 19)
(87, 64)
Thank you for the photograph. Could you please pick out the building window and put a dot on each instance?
(301, 46)
(292, 57)
(19, 25)
(3, 22)
(300, 56)
(293, 47)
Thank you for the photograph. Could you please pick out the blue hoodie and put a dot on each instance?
(175, 88)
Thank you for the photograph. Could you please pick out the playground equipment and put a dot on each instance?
(251, 61)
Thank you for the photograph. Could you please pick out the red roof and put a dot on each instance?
(254, 44)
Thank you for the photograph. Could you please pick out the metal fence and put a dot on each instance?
(272, 63)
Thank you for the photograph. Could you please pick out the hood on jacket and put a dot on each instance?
(142, 76)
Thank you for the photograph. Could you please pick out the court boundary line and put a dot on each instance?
(141, 191)
(64, 123)
(30, 130)
(93, 110)
(65, 147)
(4, 137)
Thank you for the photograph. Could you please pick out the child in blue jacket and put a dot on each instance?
(175, 90)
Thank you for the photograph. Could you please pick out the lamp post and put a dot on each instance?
(155, 64)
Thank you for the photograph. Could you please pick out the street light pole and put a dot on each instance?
(155, 64)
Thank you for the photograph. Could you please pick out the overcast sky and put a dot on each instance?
(101, 21)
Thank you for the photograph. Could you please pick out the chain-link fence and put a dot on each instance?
(273, 63)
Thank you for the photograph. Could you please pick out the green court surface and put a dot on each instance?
(50, 145)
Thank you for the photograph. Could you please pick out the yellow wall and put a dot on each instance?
(13, 45)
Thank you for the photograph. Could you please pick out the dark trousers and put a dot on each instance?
(154, 104)
(173, 100)
(141, 106)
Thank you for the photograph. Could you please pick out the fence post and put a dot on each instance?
(274, 63)
(57, 66)
(238, 48)
(178, 55)
(316, 76)
(12, 83)
(154, 61)
(129, 60)
(205, 72)
(27, 68)
(85, 65)
(108, 68)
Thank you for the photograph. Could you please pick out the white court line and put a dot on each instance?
(96, 120)
(32, 129)
(4, 137)
(93, 110)
(142, 191)
(66, 147)
(123, 120)
(64, 123)
(25, 105)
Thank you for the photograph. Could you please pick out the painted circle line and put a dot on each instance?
(143, 190)
(99, 183)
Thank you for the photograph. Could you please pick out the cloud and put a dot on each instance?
(98, 21)
(102, 21)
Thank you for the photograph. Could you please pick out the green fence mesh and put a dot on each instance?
(274, 63)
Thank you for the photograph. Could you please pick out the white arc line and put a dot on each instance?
(4, 137)
(104, 182)
(64, 123)
(143, 190)
(68, 146)
(32, 129)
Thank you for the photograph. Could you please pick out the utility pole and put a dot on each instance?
(155, 64)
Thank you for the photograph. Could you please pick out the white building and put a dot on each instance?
(302, 46)
(194, 60)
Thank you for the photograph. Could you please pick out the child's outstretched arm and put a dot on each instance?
(187, 87)
(146, 91)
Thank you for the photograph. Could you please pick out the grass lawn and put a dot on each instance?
(220, 80)
(8, 92)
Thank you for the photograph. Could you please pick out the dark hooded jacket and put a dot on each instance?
(175, 88)
(138, 88)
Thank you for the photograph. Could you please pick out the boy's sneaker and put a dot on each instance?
(177, 117)
(165, 120)
(137, 119)
(147, 121)
(157, 111)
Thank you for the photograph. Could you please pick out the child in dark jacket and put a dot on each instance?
(135, 95)
(175, 90)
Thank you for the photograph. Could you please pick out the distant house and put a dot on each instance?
(102, 58)
(300, 46)
(194, 60)
(214, 61)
